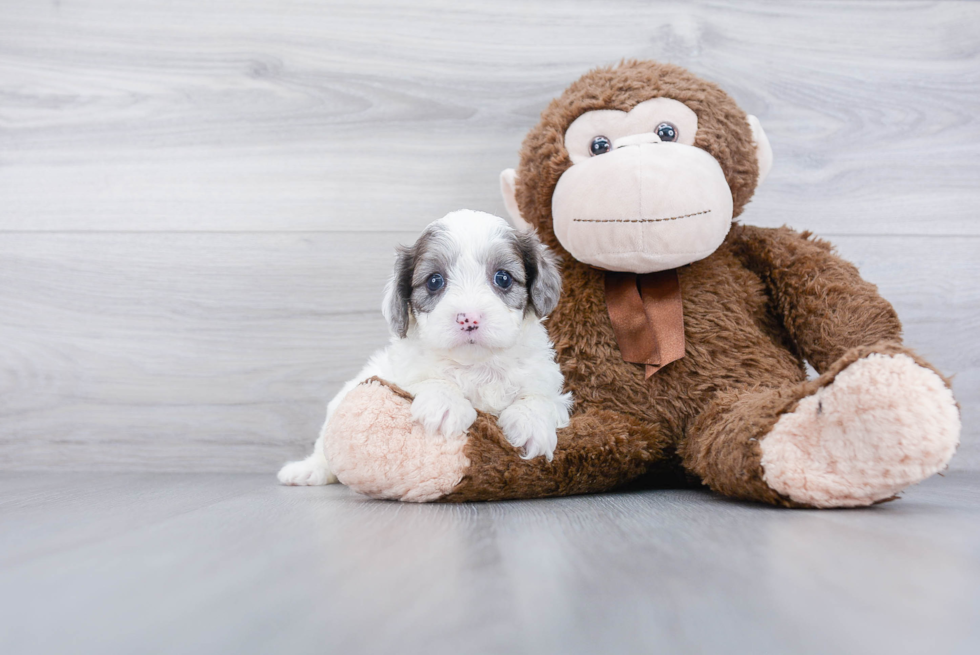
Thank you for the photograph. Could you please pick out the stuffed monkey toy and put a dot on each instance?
(682, 335)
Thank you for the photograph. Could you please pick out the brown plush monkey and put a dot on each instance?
(681, 334)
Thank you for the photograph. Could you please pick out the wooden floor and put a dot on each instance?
(224, 563)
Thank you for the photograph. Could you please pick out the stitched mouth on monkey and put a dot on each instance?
(643, 208)
(641, 220)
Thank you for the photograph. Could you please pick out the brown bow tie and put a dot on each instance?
(647, 317)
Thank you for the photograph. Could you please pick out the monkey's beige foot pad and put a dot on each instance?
(883, 424)
(375, 448)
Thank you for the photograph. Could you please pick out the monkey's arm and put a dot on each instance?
(598, 451)
(824, 303)
(374, 446)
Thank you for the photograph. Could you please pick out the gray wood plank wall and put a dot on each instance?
(199, 201)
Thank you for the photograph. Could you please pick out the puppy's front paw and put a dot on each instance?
(440, 411)
(529, 431)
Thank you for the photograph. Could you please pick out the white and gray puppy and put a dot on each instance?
(464, 305)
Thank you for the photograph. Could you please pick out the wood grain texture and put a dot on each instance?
(198, 201)
(180, 350)
(381, 115)
(195, 563)
(219, 351)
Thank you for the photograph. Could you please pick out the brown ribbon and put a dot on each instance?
(647, 317)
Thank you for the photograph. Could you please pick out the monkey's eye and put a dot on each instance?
(666, 132)
(503, 279)
(600, 145)
(435, 282)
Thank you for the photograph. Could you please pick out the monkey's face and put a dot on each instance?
(637, 168)
(639, 196)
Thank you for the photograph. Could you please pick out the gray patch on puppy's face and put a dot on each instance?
(505, 255)
(414, 264)
(435, 253)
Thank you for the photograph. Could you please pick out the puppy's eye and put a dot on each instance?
(600, 145)
(435, 282)
(666, 132)
(503, 279)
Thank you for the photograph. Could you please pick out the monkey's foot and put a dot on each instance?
(883, 424)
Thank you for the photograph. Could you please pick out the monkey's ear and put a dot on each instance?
(763, 151)
(394, 307)
(508, 189)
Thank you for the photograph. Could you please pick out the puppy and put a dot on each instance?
(464, 305)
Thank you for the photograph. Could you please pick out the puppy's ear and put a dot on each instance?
(541, 269)
(398, 291)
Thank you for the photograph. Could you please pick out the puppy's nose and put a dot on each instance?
(469, 321)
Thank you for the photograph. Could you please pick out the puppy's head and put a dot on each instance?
(469, 283)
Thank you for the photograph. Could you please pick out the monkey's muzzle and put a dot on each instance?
(643, 208)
